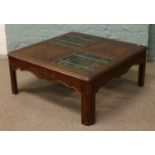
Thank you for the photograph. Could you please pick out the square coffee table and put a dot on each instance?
(80, 61)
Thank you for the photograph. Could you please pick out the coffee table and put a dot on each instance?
(80, 61)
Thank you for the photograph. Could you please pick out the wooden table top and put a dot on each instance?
(79, 55)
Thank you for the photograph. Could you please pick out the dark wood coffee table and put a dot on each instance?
(82, 62)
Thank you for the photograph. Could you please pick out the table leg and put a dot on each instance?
(88, 107)
(141, 74)
(13, 81)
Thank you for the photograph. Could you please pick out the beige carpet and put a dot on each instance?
(40, 105)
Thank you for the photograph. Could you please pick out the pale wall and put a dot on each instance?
(22, 35)
(3, 49)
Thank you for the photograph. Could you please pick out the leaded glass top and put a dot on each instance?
(84, 62)
(76, 40)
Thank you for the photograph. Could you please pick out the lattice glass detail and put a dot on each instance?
(76, 40)
(82, 61)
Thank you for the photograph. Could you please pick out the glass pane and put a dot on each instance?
(84, 62)
(76, 40)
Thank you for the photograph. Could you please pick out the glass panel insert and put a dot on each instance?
(82, 61)
(76, 40)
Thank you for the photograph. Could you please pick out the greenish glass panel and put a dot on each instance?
(84, 62)
(76, 40)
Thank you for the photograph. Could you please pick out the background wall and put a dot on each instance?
(151, 54)
(22, 35)
(3, 49)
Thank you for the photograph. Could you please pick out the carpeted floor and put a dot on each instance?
(40, 105)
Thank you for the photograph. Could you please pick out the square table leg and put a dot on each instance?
(141, 74)
(13, 81)
(88, 107)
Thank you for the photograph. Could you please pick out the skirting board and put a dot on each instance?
(151, 59)
(3, 56)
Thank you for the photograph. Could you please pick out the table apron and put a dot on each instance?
(120, 69)
(46, 74)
